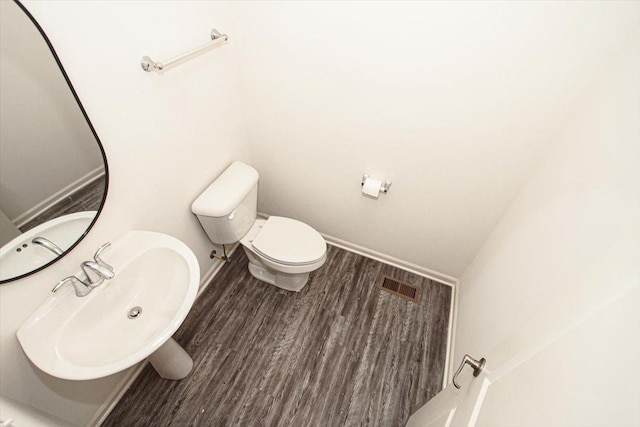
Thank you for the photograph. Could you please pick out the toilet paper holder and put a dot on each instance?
(386, 185)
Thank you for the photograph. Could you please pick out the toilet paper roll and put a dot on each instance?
(372, 187)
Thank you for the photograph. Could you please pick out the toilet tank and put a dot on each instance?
(227, 208)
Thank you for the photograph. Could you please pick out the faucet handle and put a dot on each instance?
(61, 283)
(99, 260)
(81, 288)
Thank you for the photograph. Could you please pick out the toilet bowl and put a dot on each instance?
(281, 251)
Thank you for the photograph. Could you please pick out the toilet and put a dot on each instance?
(281, 251)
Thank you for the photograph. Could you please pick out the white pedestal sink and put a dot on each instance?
(124, 320)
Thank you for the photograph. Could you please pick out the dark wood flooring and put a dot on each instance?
(340, 352)
(87, 198)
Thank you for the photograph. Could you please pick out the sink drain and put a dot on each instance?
(134, 312)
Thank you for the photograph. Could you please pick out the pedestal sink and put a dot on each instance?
(124, 320)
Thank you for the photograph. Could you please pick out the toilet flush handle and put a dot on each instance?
(232, 214)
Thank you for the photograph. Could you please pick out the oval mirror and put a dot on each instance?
(53, 170)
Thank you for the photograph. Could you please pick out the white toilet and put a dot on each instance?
(281, 251)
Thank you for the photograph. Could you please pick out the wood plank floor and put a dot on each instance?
(339, 353)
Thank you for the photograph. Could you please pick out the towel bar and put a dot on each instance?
(149, 64)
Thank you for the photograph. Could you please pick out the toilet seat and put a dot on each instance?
(289, 242)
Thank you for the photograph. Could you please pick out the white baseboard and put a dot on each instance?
(47, 203)
(117, 393)
(395, 262)
(115, 396)
(453, 320)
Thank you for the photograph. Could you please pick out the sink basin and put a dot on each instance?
(81, 338)
(17, 259)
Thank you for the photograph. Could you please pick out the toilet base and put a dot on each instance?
(287, 281)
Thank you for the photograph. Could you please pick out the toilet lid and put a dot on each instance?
(291, 242)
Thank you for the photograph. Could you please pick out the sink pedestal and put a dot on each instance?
(171, 361)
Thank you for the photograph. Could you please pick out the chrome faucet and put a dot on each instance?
(44, 242)
(96, 272)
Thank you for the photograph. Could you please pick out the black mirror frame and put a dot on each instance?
(93, 131)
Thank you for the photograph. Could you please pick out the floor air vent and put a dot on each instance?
(399, 288)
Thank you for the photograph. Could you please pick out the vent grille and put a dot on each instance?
(399, 288)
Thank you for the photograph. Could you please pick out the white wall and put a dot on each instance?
(166, 138)
(453, 101)
(46, 142)
(571, 239)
